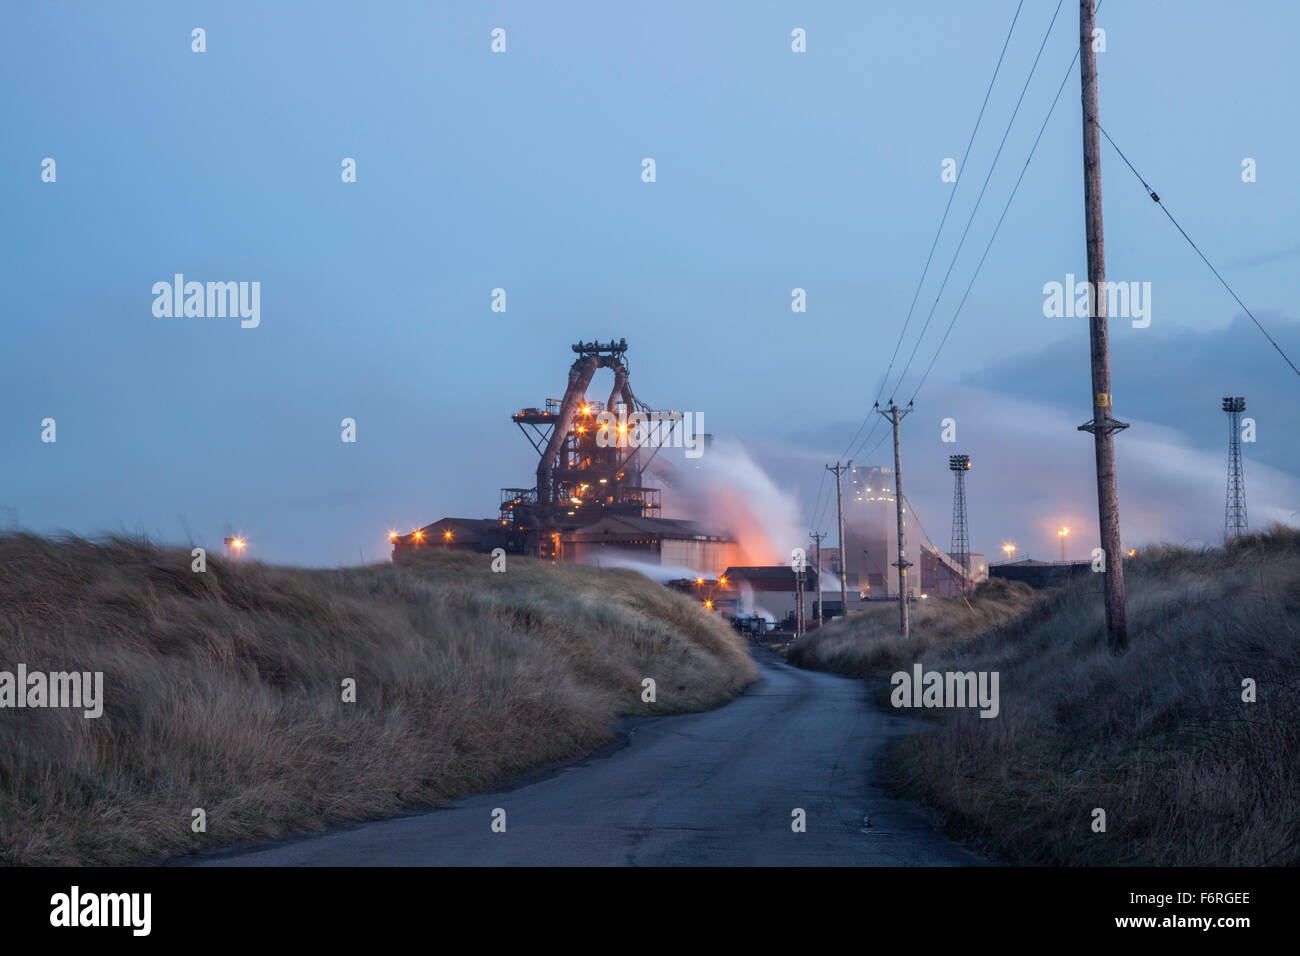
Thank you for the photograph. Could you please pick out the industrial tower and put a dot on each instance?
(1234, 511)
(959, 465)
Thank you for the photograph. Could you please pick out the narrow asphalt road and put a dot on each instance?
(716, 788)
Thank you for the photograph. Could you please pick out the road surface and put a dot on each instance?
(715, 788)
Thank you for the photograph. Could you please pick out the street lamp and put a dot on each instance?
(234, 546)
(1061, 534)
(1009, 550)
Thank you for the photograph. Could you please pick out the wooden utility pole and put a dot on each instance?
(839, 511)
(892, 414)
(798, 602)
(1102, 426)
(817, 536)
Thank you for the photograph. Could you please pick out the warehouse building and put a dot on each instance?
(670, 542)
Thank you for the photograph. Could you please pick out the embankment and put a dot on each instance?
(224, 690)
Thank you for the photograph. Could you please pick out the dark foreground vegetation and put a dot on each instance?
(224, 690)
(1161, 739)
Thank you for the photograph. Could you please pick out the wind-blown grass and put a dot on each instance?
(869, 643)
(1160, 738)
(223, 689)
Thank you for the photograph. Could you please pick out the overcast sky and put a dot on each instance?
(523, 171)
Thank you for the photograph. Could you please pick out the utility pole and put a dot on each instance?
(1102, 426)
(817, 536)
(839, 510)
(798, 602)
(893, 415)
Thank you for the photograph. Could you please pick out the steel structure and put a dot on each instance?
(1234, 510)
(960, 551)
(590, 464)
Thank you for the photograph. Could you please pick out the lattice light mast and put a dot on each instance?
(959, 465)
(1234, 510)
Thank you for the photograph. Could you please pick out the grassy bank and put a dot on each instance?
(1160, 738)
(869, 644)
(223, 689)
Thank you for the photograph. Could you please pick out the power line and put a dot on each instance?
(1156, 199)
(917, 515)
(817, 508)
(1014, 189)
(858, 455)
(951, 196)
(938, 232)
(879, 441)
(992, 166)
(971, 218)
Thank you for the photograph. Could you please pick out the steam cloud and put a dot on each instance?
(725, 491)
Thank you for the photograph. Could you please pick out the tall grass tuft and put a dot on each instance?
(1187, 772)
(223, 689)
(869, 643)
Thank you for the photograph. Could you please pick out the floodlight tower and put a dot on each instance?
(1234, 511)
(959, 465)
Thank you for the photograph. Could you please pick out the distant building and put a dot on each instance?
(831, 604)
(772, 588)
(671, 542)
(1041, 574)
(942, 578)
(871, 542)
(661, 541)
(455, 534)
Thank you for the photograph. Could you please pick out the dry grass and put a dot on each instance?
(223, 689)
(868, 643)
(1160, 738)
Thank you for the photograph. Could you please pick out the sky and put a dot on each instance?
(522, 170)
